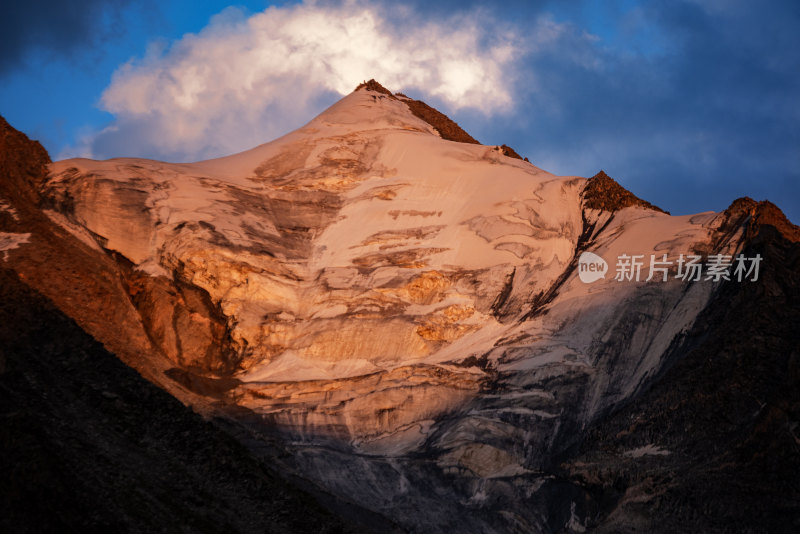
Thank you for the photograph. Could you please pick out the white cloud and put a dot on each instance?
(245, 80)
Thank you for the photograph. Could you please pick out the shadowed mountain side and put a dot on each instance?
(714, 445)
(88, 445)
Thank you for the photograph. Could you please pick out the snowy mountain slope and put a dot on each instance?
(404, 310)
(350, 224)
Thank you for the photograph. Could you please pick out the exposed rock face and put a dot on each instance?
(23, 166)
(510, 152)
(374, 86)
(404, 312)
(182, 322)
(756, 215)
(447, 128)
(444, 125)
(604, 193)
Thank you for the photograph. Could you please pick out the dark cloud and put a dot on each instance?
(58, 27)
(710, 114)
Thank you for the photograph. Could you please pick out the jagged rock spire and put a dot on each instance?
(604, 193)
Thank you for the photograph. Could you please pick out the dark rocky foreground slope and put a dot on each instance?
(88, 445)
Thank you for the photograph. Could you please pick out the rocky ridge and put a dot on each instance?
(604, 193)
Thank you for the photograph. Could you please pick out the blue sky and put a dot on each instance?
(689, 104)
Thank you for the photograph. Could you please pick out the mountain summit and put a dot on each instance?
(401, 317)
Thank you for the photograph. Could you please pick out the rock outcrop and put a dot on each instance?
(604, 193)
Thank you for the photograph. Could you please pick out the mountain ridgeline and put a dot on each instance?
(376, 323)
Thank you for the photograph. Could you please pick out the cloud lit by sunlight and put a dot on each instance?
(245, 80)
